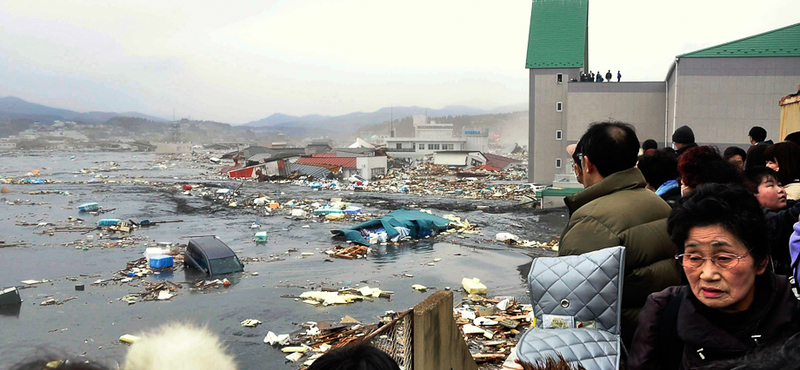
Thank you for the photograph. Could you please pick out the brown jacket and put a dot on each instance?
(619, 211)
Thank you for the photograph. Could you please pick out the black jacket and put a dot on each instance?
(781, 224)
(680, 151)
(705, 334)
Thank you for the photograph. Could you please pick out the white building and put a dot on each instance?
(459, 159)
(434, 137)
(5, 144)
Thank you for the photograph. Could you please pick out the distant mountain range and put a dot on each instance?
(313, 124)
(358, 119)
(15, 108)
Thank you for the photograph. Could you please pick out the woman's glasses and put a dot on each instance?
(722, 260)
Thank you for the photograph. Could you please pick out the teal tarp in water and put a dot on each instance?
(420, 224)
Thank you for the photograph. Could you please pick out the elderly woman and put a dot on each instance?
(732, 303)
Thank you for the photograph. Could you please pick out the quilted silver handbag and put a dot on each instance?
(576, 301)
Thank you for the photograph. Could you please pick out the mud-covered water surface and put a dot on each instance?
(93, 321)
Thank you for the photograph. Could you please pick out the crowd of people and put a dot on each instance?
(598, 77)
(712, 241)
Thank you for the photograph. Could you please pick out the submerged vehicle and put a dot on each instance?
(10, 296)
(210, 255)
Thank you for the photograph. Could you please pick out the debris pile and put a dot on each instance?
(491, 327)
(160, 291)
(331, 296)
(516, 241)
(351, 252)
(313, 339)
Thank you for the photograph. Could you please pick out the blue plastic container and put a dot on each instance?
(161, 261)
(109, 222)
(92, 206)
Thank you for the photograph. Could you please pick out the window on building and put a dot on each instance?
(399, 145)
(447, 146)
(559, 135)
(436, 146)
(430, 146)
(421, 146)
(560, 78)
(378, 171)
(559, 107)
(558, 162)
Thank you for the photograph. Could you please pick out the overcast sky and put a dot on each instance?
(244, 60)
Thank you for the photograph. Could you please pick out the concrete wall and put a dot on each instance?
(544, 121)
(642, 104)
(721, 98)
(438, 344)
(479, 143)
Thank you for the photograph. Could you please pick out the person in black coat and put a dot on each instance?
(732, 304)
(683, 139)
(609, 76)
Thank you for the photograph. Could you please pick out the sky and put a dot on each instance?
(241, 61)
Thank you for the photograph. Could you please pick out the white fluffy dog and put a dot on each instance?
(178, 346)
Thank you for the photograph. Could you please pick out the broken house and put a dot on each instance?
(367, 167)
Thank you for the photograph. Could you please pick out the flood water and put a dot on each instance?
(92, 323)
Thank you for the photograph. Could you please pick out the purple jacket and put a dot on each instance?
(794, 247)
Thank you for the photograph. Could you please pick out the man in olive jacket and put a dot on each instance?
(616, 209)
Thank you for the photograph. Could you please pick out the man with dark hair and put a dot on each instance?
(735, 155)
(616, 209)
(609, 76)
(355, 357)
(660, 170)
(758, 136)
(683, 139)
(793, 137)
(649, 144)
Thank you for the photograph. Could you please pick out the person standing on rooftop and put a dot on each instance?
(619, 76)
(609, 76)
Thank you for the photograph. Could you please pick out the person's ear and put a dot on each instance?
(762, 266)
(588, 166)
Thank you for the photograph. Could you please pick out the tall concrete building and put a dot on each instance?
(719, 91)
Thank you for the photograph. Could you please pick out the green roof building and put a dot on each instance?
(559, 34)
(720, 91)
